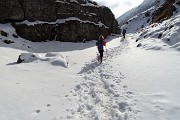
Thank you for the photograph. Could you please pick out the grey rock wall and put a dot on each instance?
(16, 11)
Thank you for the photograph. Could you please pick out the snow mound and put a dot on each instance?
(152, 46)
(28, 57)
(57, 59)
(59, 62)
(53, 58)
(51, 54)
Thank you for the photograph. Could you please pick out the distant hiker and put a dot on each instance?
(100, 43)
(124, 32)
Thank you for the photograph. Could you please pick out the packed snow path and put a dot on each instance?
(101, 96)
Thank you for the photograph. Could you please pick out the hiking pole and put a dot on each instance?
(106, 51)
(97, 55)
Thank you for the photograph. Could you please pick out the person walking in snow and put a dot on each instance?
(100, 45)
(124, 32)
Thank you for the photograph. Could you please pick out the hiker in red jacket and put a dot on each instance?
(100, 43)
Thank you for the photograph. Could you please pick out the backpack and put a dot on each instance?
(100, 44)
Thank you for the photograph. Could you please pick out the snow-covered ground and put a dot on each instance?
(153, 76)
(131, 84)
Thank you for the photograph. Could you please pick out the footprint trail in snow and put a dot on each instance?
(101, 96)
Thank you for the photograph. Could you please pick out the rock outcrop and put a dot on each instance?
(11, 10)
(164, 12)
(62, 20)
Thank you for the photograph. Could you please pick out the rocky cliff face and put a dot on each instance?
(10, 10)
(164, 12)
(62, 20)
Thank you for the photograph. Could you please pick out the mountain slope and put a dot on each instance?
(153, 34)
(145, 5)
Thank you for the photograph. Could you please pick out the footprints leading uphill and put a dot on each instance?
(101, 95)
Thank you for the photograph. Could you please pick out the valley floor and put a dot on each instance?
(131, 84)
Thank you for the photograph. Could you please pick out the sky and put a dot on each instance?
(119, 7)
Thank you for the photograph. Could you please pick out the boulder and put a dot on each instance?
(20, 60)
(164, 12)
(139, 45)
(27, 58)
(8, 41)
(15, 36)
(5, 34)
(178, 3)
(160, 35)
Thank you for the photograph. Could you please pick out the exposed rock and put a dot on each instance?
(148, 20)
(137, 39)
(147, 14)
(8, 41)
(171, 26)
(178, 3)
(164, 12)
(36, 33)
(5, 34)
(93, 19)
(160, 35)
(139, 45)
(11, 10)
(15, 36)
(27, 57)
(19, 59)
(69, 31)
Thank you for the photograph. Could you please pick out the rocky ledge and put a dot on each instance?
(165, 11)
(61, 20)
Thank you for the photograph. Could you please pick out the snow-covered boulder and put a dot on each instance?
(54, 59)
(57, 59)
(27, 57)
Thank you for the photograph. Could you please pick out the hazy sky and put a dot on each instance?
(119, 7)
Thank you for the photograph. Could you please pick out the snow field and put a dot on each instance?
(131, 84)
